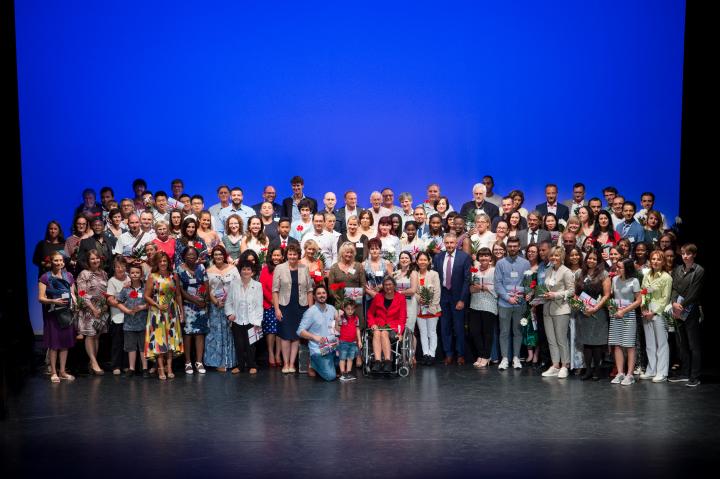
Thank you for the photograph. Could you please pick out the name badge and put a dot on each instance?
(351, 271)
(276, 219)
(632, 239)
(513, 274)
(317, 273)
(359, 245)
(65, 296)
(192, 281)
(379, 273)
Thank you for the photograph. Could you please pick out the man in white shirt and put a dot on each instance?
(325, 240)
(160, 211)
(578, 199)
(223, 193)
(617, 211)
(377, 210)
(388, 201)
(147, 223)
(235, 207)
(132, 240)
(647, 200)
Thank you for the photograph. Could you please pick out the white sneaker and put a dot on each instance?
(200, 368)
(552, 372)
(629, 379)
(638, 371)
(618, 379)
(659, 379)
(503, 364)
(563, 374)
(516, 363)
(646, 375)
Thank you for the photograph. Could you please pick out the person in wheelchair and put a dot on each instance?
(386, 317)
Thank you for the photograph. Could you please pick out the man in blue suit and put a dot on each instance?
(552, 205)
(453, 267)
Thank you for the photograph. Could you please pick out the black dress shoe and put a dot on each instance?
(387, 367)
(588, 374)
(375, 367)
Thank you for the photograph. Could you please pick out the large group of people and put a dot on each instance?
(560, 287)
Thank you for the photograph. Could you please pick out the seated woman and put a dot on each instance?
(387, 311)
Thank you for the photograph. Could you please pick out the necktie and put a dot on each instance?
(532, 237)
(448, 272)
(626, 228)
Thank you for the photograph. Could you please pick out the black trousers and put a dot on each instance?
(244, 351)
(688, 337)
(117, 349)
(482, 326)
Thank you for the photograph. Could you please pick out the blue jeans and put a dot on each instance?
(347, 350)
(324, 365)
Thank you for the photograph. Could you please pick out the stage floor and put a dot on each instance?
(439, 421)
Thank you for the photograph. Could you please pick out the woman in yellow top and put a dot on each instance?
(658, 284)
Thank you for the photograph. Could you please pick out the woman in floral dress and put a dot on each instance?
(93, 310)
(194, 282)
(219, 345)
(163, 336)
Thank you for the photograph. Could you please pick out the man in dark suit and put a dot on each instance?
(551, 204)
(351, 208)
(578, 200)
(453, 267)
(479, 203)
(533, 235)
(329, 202)
(101, 242)
(289, 205)
(283, 238)
(269, 195)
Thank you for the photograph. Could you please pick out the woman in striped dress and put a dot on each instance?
(623, 323)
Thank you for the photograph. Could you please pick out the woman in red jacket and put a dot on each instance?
(386, 313)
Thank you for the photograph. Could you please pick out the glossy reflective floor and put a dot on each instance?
(439, 421)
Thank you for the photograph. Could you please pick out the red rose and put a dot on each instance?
(82, 293)
(263, 250)
(198, 245)
(473, 270)
(644, 291)
(46, 259)
(202, 289)
(422, 281)
(133, 294)
(318, 278)
(337, 286)
(283, 246)
(300, 227)
(533, 284)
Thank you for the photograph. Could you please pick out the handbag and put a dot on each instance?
(63, 314)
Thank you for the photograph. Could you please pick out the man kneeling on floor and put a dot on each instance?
(318, 327)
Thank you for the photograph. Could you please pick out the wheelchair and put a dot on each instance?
(401, 351)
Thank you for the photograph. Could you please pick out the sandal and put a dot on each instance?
(253, 371)
(67, 377)
(54, 378)
(161, 373)
(235, 370)
(221, 369)
(170, 373)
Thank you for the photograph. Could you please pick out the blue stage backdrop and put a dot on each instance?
(357, 95)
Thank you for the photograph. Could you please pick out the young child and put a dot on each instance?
(349, 334)
(131, 302)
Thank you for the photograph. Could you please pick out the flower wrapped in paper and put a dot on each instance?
(389, 254)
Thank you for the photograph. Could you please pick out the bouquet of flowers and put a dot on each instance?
(470, 218)
(320, 256)
(138, 253)
(474, 246)
(328, 345)
(670, 321)
(577, 304)
(338, 290)
(474, 277)
(262, 256)
(538, 293)
(431, 247)
(389, 254)
(612, 307)
(646, 292)
(426, 296)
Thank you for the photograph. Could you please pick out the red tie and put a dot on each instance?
(448, 272)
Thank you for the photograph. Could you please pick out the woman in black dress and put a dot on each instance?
(54, 241)
(593, 328)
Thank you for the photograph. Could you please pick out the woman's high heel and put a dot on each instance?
(161, 373)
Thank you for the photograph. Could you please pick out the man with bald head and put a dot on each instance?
(377, 210)
(329, 203)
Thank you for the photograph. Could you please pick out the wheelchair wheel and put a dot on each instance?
(404, 371)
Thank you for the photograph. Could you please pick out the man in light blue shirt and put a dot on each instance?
(509, 275)
(630, 228)
(318, 327)
(236, 207)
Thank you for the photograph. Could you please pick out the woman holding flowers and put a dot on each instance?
(93, 310)
(428, 298)
(219, 345)
(313, 261)
(163, 335)
(194, 291)
(656, 291)
(592, 288)
(206, 231)
(482, 315)
(390, 243)
(351, 275)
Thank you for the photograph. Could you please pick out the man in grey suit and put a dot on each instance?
(351, 208)
(533, 234)
(577, 200)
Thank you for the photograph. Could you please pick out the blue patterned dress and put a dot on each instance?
(196, 319)
(219, 345)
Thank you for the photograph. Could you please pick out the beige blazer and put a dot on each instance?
(432, 281)
(282, 283)
(562, 283)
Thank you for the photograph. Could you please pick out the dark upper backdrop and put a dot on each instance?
(406, 94)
